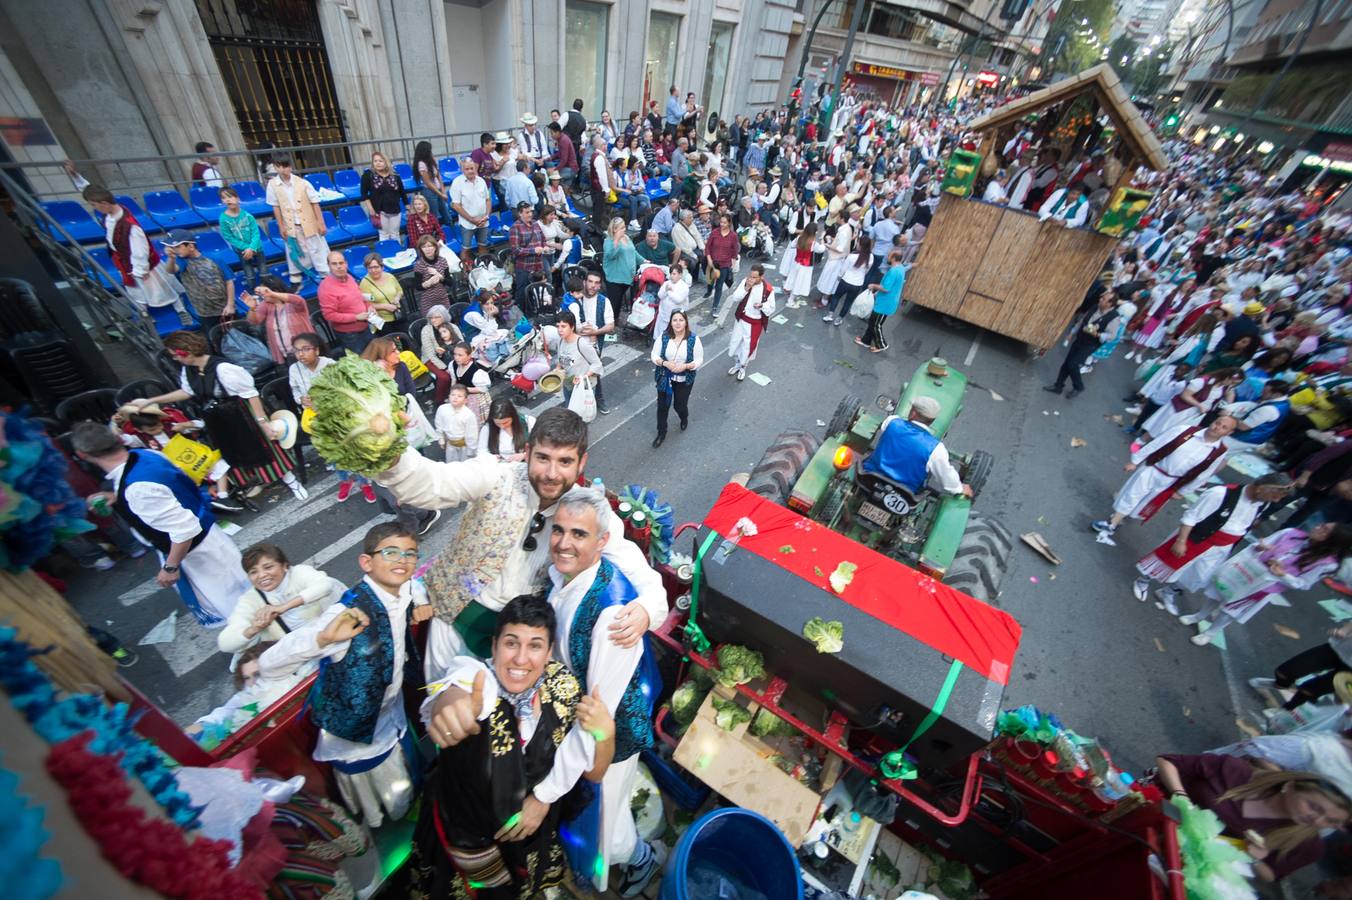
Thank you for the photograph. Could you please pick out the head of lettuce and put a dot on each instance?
(358, 424)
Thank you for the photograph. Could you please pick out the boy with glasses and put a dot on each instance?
(357, 700)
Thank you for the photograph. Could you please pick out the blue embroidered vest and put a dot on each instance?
(903, 452)
(1260, 433)
(634, 715)
(346, 697)
(147, 465)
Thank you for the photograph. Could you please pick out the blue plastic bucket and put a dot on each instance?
(732, 854)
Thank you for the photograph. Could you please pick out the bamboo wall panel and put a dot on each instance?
(960, 232)
(998, 269)
(1054, 278)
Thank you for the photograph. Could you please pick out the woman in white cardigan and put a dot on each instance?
(284, 597)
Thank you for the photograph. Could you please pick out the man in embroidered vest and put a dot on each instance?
(167, 510)
(909, 453)
(145, 282)
(357, 700)
(300, 221)
(588, 593)
(753, 303)
(1178, 460)
(501, 550)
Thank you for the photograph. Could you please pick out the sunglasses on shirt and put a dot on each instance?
(537, 524)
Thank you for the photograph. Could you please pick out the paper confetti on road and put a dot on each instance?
(1105, 538)
(1046, 413)
(797, 324)
(780, 320)
(1116, 420)
(1076, 443)
(1056, 412)
(1286, 632)
(163, 633)
(758, 378)
(1159, 644)
(1033, 578)
(996, 397)
(821, 423)
(1339, 609)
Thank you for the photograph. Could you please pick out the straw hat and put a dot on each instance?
(551, 381)
(1254, 308)
(555, 176)
(290, 427)
(502, 137)
(529, 119)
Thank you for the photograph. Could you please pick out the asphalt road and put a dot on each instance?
(1109, 666)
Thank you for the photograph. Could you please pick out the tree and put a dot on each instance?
(1084, 25)
(1147, 72)
(1122, 56)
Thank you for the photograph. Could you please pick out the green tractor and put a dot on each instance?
(938, 534)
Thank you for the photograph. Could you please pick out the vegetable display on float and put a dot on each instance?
(358, 424)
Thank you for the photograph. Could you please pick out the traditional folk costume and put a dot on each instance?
(1151, 332)
(1179, 413)
(486, 566)
(483, 781)
(357, 701)
(672, 296)
(795, 267)
(753, 307)
(1170, 464)
(837, 255)
(1219, 518)
(307, 251)
(144, 281)
(164, 506)
(1285, 547)
(223, 389)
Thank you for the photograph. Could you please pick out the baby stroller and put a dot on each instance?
(643, 313)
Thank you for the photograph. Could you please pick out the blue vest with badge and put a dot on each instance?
(1260, 433)
(147, 465)
(346, 697)
(903, 454)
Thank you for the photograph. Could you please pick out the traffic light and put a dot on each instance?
(1171, 120)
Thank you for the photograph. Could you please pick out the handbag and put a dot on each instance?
(583, 401)
(862, 307)
(416, 367)
(1242, 575)
(193, 458)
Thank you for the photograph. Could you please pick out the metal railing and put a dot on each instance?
(142, 174)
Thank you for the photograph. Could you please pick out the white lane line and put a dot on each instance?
(971, 351)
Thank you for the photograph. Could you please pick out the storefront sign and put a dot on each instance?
(883, 71)
(1324, 162)
(1339, 150)
(988, 79)
(930, 78)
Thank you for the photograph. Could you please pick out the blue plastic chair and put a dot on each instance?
(322, 180)
(211, 244)
(148, 224)
(308, 289)
(405, 172)
(172, 211)
(337, 233)
(452, 236)
(354, 221)
(498, 226)
(253, 197)
(356, 260)
(76, 220)
(273, 245)
(653, 188)
(349, 182)
(207, 202)
(107, 273)
(388, 249)
(450, 167)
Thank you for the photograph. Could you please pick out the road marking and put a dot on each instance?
(971, 351)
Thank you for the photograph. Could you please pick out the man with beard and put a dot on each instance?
(502, 550)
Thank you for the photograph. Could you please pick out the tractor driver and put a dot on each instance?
(909, 453)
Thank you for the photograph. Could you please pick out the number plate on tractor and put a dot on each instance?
(876, 515)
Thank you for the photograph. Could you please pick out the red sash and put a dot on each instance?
(1164, 553)
(1157, 502)
(1179, 404)
(757, 325)
(121, 247)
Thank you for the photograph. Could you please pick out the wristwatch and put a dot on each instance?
(168, 568)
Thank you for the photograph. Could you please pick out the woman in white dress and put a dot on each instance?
(796, 266)
(672, 296)
(1201, 396)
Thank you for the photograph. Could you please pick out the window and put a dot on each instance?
(584, 55)
(659, 63)
(720, 53)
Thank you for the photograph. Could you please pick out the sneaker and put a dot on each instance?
(102, 564)
(603, 410)
(1201, 640)
(298, 490)
(426, 524)
(1102, 525)
(828, 318)
(838, 322)
(137, 553)
(733, 370)
(633, 224)
(226, 505)
(368, 492)
(1085, 370)
(1190, 619)
(1168, 601)
(1140, 588)
(635, 878)
(344, 490)
(125, 658)
(741, 374)
(1133, 410)
(1263, 684)
(1052, 389)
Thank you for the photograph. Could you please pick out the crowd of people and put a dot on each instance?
(1232, 297)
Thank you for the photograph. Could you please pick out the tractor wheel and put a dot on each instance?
(784, 460)
(981, 560)
(844, 415)
(979, 471)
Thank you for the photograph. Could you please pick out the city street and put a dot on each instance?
(1109, 666)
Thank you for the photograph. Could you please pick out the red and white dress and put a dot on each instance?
(1168, 465)
(1193, 570)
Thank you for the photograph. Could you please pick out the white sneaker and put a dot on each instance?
(741, 374)
(1140, 588)
(828, 318)
(1133, 410)
(1085, 370)
(102, 564)
(1263, 684)
(1201, 640)
(1169, 603)
(633, 224)
(1190, 619)
(299, 490)
(732, 371)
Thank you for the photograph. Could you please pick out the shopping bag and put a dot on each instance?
(416, 367)
(246, 351)
(862, 307)
(1242, 575)
(194, 458)
(418, 431)
(583, 401)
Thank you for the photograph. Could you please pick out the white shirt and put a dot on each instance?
(302, 646)
(137, 243)
(1072, 214)
(1208, 501)
(995, 193)
(471, 195)
(234, 380)
(579, 357)
(1191, 452)
(506, 446)
(457, 424)
(211, 177)
(420, 482)
(278, 188)
(939, 469)
(587, 316)
(676, 353)
(1252, 414)
(532, 143)
(302, 376)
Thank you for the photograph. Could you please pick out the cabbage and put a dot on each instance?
(357, 425)
(827, 637)
(738, 665)
(767, 724)
(729, 715)
(686, 700)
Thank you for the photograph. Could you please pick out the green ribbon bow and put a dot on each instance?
(895, 764)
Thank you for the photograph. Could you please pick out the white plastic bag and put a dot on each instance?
(862, 307)
(583, 401)
(642, 314)
(419, 432)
